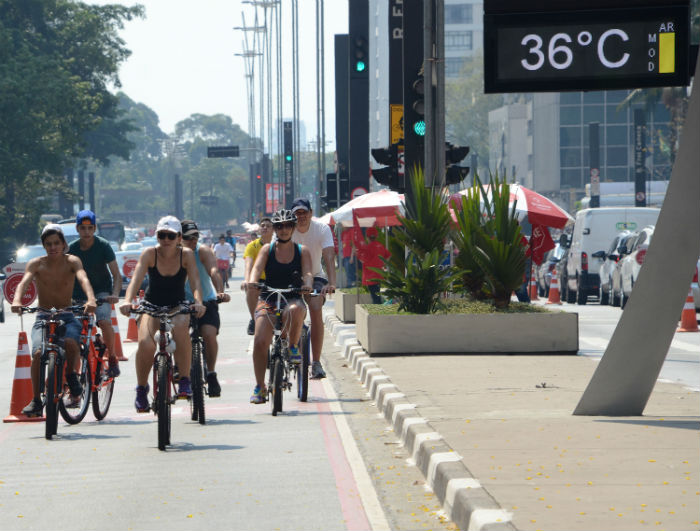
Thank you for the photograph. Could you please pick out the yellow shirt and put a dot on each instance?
(252, 250)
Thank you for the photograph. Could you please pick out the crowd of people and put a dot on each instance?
(292, 249)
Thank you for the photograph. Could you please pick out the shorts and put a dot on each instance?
(222, 264)
(70, 329)
(211, 316)
(319, 282)
(266, 306)
(104, 310)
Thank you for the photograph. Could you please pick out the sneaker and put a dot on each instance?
(113, 370)
(251, 328)
(184, 389)
(317, 371)
(34, 409)
(213, 385)
(74, 385)
(294, 355)
(259, 395)
(71, 402)
(141, 402)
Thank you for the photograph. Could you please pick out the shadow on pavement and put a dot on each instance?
(188, 447)
(223, 422)
(676, 423)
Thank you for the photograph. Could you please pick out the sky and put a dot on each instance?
(183, 59)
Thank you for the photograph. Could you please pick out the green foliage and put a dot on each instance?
(491, 243)
(463, 306)
(413, 274)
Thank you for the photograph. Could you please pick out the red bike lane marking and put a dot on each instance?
(348, 493)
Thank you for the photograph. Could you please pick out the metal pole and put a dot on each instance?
(319, 175)
(323, 94)
(439, 68)
(429, 144)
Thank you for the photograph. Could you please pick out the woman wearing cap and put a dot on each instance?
(168, 265)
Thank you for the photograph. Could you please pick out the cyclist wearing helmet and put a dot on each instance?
(284, 263)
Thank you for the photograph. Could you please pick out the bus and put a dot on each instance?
(112, 231)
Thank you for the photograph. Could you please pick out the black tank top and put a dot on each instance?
(166, 291)
(278, 275)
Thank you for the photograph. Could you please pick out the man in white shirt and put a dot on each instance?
(318, 238)
(223, 252)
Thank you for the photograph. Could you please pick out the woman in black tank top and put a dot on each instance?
(279, 260)
(168, 265)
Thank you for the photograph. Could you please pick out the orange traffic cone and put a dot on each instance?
(117, 339)
(554, 289)
(688, 321)
(132, 332)
(533, 287)
(22, 392)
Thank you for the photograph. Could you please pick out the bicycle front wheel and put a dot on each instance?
(53, 385)
(303, 368)
(163, 402)
(277, 374)
(102, 395)
(197, 379)
(76, 411)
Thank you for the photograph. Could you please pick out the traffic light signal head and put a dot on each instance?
(288, 158)
(418, 104)
(387, 176)
(360, 59)
(386, 156)
(455, 174)
(455, 154)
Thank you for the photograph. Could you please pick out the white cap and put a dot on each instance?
(170, 224)
(52, 226)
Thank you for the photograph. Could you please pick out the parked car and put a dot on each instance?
(615, 280)
(27, 252)
(612, 257)
(632, 263)
(594, 229)
(132, 246)
(544, 271)
(150, 241)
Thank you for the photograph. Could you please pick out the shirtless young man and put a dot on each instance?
(54, 274)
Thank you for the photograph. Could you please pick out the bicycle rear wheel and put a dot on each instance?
(163, 402)
(73, 415)
(102, 395)
(303, 368)
(197, 379)
(276, 374)
(53, 385)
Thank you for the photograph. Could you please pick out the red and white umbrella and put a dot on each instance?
(372, 209)
(531, 206)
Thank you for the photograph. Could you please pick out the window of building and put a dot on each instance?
(570, 157)
(453, 66)
(570, 98)
(616, 174)
(593, 113)
(613, 116)
(458, 40)
(570, 136)
(616, 135)
(617, 156)
(570, 116)
(593, 97)
(458, 14)
(572, 178)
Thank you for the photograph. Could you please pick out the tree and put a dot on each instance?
(467, 109)
(56, 59)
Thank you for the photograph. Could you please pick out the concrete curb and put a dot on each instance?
(464, 500)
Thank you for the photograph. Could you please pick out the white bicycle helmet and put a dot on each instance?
(283, 216)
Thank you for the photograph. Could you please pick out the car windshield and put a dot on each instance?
(26, 253)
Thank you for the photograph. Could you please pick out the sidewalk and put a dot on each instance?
(496, 440)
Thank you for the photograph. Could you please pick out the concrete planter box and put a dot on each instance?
(512, 333)
(345, 304)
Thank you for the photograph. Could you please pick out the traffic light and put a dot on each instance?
(455, 174)
(389, 175)
(417, 102)
(329, 201)
(360, 59)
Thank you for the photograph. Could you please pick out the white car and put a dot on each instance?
(632, 263)
(612, 257)
(132, 246)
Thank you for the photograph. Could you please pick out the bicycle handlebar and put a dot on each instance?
(77, 308)
(163, 311)
(291, 289)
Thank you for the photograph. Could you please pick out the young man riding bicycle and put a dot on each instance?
(101, 267)
(168, 265)
(249, 255)
(284, 263)
(318, 237)
(54, 274)
(212, 292)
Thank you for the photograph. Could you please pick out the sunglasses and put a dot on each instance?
(190, 238)
(287, 225)
(168, 235)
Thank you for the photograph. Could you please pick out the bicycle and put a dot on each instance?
(163, 365)
(98, 386)
(278, 362)
(53, 357)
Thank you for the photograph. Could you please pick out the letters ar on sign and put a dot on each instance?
(214, 152)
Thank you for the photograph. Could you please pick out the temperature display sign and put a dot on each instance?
(586, 50)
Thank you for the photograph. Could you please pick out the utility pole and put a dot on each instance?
(434, 87)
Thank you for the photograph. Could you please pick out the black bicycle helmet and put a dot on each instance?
(283, 216)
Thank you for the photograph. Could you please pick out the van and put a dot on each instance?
(594, 230)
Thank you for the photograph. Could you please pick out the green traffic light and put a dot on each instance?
(419, 128)
(288, 158)
(360, 66)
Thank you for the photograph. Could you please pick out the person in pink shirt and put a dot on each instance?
(370, 255)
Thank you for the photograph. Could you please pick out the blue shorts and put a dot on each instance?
(71, 329)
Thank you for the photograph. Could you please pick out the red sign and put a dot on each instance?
(10, 287)
(129, 267)
(274, 193)
(357, 192)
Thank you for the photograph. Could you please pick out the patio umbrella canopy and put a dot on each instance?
(531, 206)
(372, 209)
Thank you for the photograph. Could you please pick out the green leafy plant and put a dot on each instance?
(491, 240)
(414, 276)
